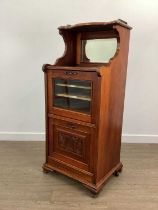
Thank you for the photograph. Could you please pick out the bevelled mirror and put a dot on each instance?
(98, 50)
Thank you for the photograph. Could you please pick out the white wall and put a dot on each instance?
(29, 38)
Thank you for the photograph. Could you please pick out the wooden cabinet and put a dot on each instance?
(84, 92)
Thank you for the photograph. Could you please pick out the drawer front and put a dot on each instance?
(71, 143)
(73, 94)
(70, 74)
(72, 124)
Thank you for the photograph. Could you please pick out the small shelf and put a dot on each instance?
(73, 86)
(74, 97)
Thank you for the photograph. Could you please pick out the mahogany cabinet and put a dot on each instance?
(84, 94)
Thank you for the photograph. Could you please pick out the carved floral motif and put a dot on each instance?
(71, 144)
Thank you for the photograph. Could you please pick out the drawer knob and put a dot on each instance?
(71, 125)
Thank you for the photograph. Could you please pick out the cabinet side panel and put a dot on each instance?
(117, 93)
(103, 125)
(69, 56)
(111, 113)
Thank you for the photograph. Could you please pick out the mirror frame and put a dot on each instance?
(94, 35)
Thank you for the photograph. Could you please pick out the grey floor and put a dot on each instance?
(23, 186)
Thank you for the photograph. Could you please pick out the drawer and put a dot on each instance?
(71, 142)
(72, 124)
(83, 75)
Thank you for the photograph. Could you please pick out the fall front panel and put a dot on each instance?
(69, 144)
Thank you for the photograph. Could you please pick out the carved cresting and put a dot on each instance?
(71, 144)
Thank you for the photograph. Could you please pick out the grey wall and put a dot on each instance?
(29, 38)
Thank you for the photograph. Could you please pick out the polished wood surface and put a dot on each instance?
(95, 25)
(89, 153)
(23, 186)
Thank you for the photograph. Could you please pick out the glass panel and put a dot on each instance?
(98, 50)
(73, 95)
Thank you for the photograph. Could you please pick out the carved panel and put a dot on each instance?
(71, 143)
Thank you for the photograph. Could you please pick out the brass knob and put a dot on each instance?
(71, 125)
(71, 73)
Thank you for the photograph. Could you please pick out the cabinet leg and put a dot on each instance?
(118, 170)
(116, 173)
(94, 194)
(45, 170)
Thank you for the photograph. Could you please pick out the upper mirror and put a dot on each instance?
(98, 50)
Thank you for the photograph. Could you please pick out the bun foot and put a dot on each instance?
(118, 170)
(116, 173)
(45, 170)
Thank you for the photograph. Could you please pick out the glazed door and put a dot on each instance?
(72, 94)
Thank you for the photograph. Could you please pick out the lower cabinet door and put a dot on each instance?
(70, 143)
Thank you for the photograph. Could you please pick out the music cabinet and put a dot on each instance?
(84, 94)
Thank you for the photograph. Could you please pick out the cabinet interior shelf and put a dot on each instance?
(74, 86)
(75, 97)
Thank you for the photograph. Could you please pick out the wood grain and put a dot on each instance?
(100, 148)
